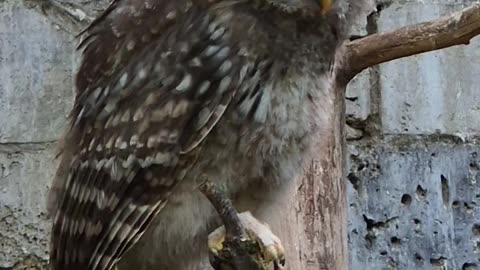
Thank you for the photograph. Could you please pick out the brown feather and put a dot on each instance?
(139, 94)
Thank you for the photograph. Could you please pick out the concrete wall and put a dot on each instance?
(413, 163)
(35, 96)
(413, 189)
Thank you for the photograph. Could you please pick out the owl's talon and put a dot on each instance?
(270, 246)
(215, 242)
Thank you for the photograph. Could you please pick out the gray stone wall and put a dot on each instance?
(413, 159)
(414, 124)
(35, 96)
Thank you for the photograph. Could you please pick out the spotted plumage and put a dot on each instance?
(171, 90)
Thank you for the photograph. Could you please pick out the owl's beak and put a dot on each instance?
(325, 4)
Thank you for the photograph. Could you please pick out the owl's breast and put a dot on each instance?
(264, 136)
(281, 113)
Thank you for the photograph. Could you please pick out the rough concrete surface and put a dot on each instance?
(25, 172)
(35, 97)
(35, 75)
(435, 92)
(413, 188)
(414, 206)
(413, 193)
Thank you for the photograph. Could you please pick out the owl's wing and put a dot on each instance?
(154, 80)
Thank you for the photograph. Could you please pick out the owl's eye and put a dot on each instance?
(325, 4)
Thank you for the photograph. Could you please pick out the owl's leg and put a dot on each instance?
(260, 237)
(243, 243)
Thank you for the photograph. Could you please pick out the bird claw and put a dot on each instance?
(271, 248)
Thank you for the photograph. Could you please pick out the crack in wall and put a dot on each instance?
(12, 147)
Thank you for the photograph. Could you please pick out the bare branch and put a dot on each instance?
(456, 29)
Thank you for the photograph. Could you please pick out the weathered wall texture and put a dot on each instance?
(413, 189)
(413, 192)
(35, 96)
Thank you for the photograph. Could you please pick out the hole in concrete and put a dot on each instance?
(421, 192)
(381, 7)
(353, 99)
(435, 232)
(433, 154)
(361, 166)
(468, 206)
(474, 166)
(445, 190)
(395, 241)
(438, 261)
(406, 199)
(417, 221)
(383, 253)
(418, 258)
(354, 180)
(476, 229)
(372, 224)
(469, 266)
(373, 227)
(456, 204)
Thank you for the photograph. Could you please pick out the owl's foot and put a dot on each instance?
(259, 242)
(243, 243)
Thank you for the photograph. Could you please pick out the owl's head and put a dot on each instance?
(311, 7)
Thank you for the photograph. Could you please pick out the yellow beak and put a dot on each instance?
(326, 4)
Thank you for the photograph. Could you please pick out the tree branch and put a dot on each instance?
(456, 29)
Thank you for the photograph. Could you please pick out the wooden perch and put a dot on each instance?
(455, 29)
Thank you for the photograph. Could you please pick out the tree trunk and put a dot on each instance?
(313, 230)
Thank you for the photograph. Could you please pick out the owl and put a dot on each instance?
(172, 92)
